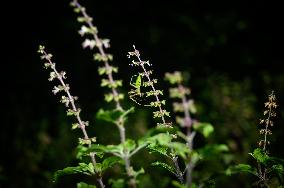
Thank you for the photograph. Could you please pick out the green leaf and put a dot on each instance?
(241, 168)
(260, 155)
(85, 151)
(178, 184)
(139, 172)
(125, 113)
(210, 150)
(118, 149)
(165, 166)
(159, 149)
(113, 115)
(109, 115)
(98, 168)
(119, 183)
(180, 149)
(163, 139)
(278, 169)
(129, 145)
(204, 128)
(109, 162)
(81, 169)
(84, 185)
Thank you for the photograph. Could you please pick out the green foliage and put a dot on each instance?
(176, 145)
(206, 129)
(113, 115)
(83, 168)
(267, 167)
(260, 155)
(85, 185)
(212, 150)
(241, 168)
(119, 183)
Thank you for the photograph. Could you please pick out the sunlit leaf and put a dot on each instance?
(85, 185)
(260, 155)
(204, 128)
(241, 168)
(83, 168)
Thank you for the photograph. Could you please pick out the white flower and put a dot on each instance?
(84, 29)
(89, 43)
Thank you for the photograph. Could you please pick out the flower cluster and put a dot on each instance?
(106, 70)
(69, 101)
(153, 92)
(269, 112)
(66, 98)
(180, 92)
(91, 41)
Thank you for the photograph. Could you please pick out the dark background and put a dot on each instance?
(231, 49)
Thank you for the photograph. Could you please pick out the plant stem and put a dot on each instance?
(190, 135)
(178, 173)
(153, 88)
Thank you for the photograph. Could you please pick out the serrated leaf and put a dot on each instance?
(109, 162)
(241, 168)
(260, 155)
(159, 149)
(165, 166)
(85, 185)
(81, 169)
(204, 128)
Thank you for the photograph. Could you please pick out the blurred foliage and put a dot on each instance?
(231, 50)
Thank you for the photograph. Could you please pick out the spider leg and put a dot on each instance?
(131, 83)
(132, 94)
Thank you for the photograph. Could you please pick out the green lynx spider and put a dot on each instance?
(137, 88)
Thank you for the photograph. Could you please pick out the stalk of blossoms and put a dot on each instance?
(69, 101)
(161, 112)
(88, 29)
(185, 106)
(269, 112)
(157, 103)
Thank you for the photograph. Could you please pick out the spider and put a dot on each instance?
(133, 93)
